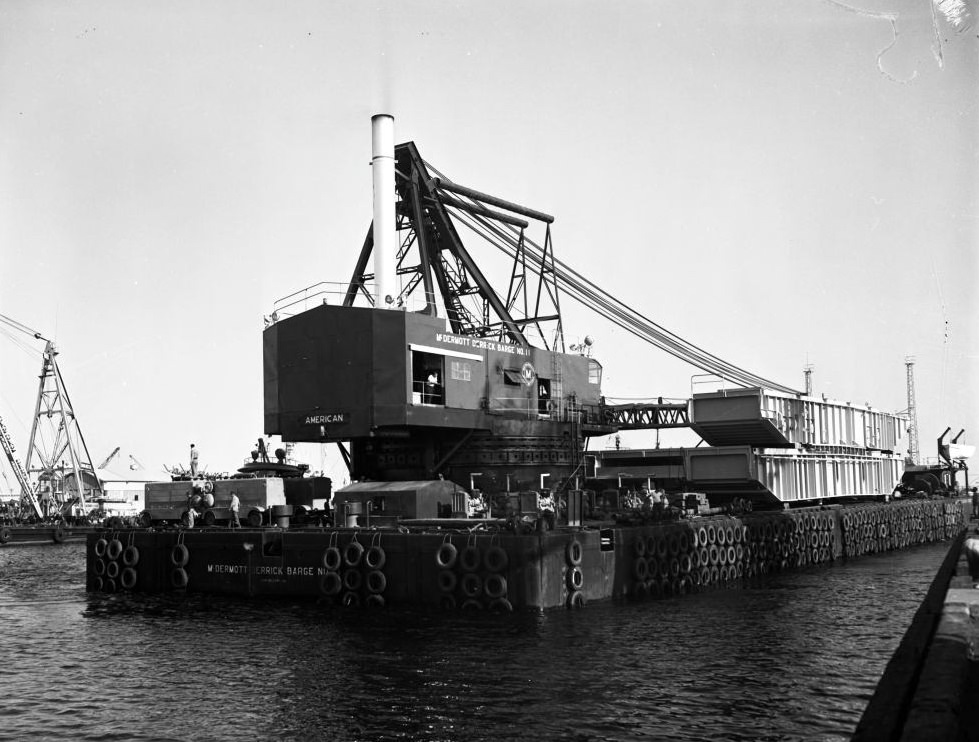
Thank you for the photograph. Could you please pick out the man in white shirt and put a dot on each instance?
(235, 504)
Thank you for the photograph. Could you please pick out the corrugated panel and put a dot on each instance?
(818, 476)
(763, 418)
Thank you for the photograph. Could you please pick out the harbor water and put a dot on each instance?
(786, 656)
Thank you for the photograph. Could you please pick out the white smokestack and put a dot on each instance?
(385, 237)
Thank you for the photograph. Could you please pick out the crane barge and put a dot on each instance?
(465, 422)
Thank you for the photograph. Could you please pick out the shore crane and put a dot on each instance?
(65, 480)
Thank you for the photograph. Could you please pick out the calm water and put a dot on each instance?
(792, 656)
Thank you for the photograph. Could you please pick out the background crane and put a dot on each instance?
(58, 461)
(27, 493)
(105, 463)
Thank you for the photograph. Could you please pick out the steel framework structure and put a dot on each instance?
(55, 432)
(443, 266)
(432, 259)
(647, 416)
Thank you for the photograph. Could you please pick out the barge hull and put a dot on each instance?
(45, 534)
(478, 569)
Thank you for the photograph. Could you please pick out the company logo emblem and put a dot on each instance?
(527, 373)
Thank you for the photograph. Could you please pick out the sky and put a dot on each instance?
(781, 182)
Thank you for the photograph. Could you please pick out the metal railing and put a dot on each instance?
(702, 380)
(425, 392)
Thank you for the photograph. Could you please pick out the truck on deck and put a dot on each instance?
(169, 502)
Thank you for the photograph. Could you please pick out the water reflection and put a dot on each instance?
(787, 656)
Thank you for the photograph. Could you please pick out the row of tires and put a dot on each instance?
(574, 577)
(673, 560)
(354, 575)
(472, 578)
(471, 558)
(115, 565)
(874, 530)
(789, 540)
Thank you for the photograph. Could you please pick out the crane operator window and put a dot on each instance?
(427, 378)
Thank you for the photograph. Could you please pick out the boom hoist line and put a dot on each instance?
(54, 433)
(424, 217)
(600, 301)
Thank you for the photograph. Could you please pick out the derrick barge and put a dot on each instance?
(465, 424)
(483, 570)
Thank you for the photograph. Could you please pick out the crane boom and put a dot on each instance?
(27, 491)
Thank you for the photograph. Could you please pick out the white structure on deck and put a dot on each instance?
(122, 488)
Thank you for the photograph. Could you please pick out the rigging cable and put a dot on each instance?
(506, 239)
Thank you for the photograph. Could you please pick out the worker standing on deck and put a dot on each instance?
(191, 513)
(193, 461)
(233, 507)
(975, 502)
(645, 499)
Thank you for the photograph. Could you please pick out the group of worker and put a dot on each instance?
(233, 507)
(645, 499)
(476, 506)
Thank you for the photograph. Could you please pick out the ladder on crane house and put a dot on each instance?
(27, 492)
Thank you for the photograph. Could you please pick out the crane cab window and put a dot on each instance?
(427, 378)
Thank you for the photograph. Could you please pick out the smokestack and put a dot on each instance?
(385, 237)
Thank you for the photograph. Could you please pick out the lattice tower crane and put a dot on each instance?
(54, 433)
